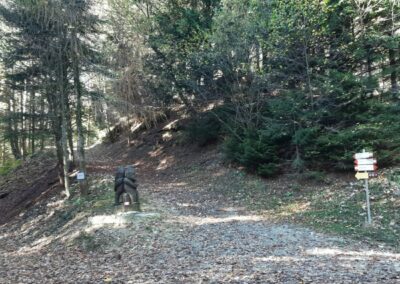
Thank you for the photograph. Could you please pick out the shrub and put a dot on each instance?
(291, 133)
(316, 176)
(255, 152)
(206, 128)
(114, 134)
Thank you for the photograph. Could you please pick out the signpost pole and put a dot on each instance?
(365, 166)
(81, 177)
(368, 205)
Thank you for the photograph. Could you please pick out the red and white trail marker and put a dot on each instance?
(363, 155)
(366, 167)
(365, 161)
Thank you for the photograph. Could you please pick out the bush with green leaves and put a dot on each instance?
(203, 130)
(208, 127)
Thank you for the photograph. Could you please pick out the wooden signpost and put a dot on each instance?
(366, 166)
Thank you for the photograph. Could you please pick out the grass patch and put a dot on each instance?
(346, 215)
(327, 208)
(99, 200)
(8, 166)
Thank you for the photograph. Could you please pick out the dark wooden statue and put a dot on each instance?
(125, 186)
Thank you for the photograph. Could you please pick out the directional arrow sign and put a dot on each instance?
(365, 155)
(363, 168)
(362, 175)
(365, 161)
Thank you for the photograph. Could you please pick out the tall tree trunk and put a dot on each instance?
(4, 152)
(22, 123)
(62, 83)
(89, 127)
(79, 112)
(307, 67)
(42, 123)
(392, 53)
(65, 151)
(33, 121)
(13, 129)
(393, 71)
(70, 131)
(54, 114)
(369, 60)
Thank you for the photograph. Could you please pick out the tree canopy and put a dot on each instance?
(294, 84)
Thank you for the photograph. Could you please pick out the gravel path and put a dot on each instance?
(199, 237)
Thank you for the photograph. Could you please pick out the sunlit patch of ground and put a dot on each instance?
(193, 220)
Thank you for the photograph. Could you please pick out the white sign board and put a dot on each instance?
(80, 176)
(362, 168)
(365, 161)
(364, 155)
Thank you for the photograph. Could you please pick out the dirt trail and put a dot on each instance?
(217, 242)
(201, 236)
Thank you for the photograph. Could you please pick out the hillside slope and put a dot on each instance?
(24, 186)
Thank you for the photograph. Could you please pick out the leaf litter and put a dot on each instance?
(197, 235)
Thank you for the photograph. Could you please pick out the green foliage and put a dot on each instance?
(256, 152)
(178, 39)
(307, 82)
(289, 133)
(203, 130)
(317, 176)
(8, 166)
(394, 177)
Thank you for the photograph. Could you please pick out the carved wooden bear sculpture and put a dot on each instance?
(125, 182)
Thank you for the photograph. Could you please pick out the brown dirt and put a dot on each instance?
(18, 200)
(24, 186)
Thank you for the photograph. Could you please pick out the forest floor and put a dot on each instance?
(197, 226)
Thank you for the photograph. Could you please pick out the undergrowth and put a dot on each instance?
(99, 200)
(8, 166)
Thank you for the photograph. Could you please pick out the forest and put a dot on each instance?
(200, 141)
(284, 85)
